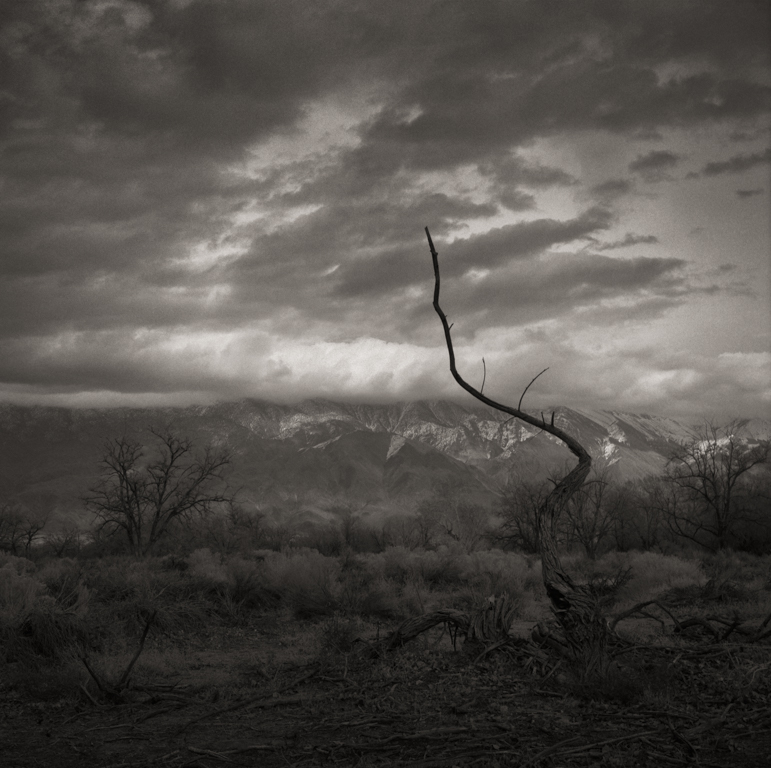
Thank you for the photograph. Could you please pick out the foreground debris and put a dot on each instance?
(699, 704)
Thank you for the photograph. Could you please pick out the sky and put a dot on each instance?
(207, 200)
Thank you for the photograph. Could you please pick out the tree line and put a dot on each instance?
(714, 493)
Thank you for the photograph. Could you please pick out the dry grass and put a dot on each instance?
(224, 657)
(65, 607)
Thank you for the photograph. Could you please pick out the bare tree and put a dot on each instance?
(642, 522)
(11, 533)
(518, 507)
(68, 540)
(31, 528)
(450, 512)
(468, 524)
(19, 529)
(143, 497)
(247, 524)
(348, 521)
(401, 530)
(593, 512)
(237, 529)
(426, 525)
(710, 477)
(575, 606)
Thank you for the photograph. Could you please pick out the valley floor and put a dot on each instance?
(276, 692)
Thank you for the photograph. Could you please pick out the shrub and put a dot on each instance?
(499, 573)
(653, 574)
(244, 589)
(436, 568)
(63, 580)
(110, 581)
(17, 564)
(246, 584)
(393, 564)
(174, 563)
(18, 594)
(50, 630)
(734, 575)
(49, 682)
(339, 634)
(381, 602)
(306, 579)
(207, 568)
(364, 595)
(440, 568)
(34, 625)
(124, 591)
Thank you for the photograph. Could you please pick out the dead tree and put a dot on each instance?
(584, 630)
(712, 497)
(143, 498)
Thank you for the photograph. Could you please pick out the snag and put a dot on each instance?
(576, 608)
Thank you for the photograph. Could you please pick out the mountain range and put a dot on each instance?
(318, 453)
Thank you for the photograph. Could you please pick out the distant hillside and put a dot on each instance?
(318, 452)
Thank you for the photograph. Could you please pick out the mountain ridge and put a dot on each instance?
(320, 451)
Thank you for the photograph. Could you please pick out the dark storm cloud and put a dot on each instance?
(629, 239)
(591, 289)
(334, 236)
(117, 302)
(202, 76)
(737, 163)
(510, 174)
(743, 194)
(612, 189)
(468, 117)
(521, 241)
(399, 268)
(571, 282)
(515, 171)
(654, 163)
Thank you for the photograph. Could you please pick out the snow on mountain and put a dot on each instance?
(319, 450)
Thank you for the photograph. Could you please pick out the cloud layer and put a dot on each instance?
(209, 199)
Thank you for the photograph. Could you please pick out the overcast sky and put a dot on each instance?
(207, 200)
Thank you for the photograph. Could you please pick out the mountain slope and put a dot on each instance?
(319, 451)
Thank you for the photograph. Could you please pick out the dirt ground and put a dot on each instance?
(267, 696)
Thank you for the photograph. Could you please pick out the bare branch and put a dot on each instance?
(124, 678)
(572, 444)
(528, 387)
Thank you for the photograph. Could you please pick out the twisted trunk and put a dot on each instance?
(574, 606)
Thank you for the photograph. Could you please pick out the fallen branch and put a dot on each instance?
(760, 634)
(124, 678)
(224, 755)
(262, 697)
(114, 691)
(638, 609)
(489, 625)
(411, 628)
(88, 695)
(435, 733)
(558, 747)
(731, 625)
